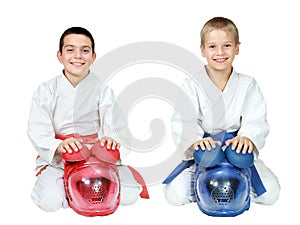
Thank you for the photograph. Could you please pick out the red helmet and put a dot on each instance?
(92, 185)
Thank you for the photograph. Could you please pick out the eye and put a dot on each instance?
(69, 50)
(86, 50)
(227, 45)
(211, 46)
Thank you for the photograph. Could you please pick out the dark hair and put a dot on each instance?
(76, 30)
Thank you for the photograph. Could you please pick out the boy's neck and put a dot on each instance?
(219, 78)
(73, 79)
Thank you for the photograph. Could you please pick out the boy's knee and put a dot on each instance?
(270, 182)
(129, 195)
(175, 197)
(269, 197)
(130, 188)
(49, 202)
(50, 194)
(180, 191)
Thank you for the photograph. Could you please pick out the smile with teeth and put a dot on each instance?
(220, 60)
(77, 64)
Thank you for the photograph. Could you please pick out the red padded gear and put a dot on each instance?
(82, 154)
(104, 154)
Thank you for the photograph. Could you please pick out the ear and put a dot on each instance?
(237, 48)
(94, 57)
(202, 50)
(59, 56)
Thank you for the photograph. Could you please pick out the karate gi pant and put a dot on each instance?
(181, 190)
(49, 192)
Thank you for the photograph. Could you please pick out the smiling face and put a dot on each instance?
(76, 56)
(219, 49)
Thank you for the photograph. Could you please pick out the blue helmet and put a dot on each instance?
(223, 190)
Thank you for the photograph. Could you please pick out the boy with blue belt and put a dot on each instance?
(231, 119)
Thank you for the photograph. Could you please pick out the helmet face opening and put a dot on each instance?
(94, 190)
(223, 190)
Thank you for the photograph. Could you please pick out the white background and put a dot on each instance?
(269, 51)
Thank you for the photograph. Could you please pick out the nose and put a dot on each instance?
(219, 50)
(77, 53)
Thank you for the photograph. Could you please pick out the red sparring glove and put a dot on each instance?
(82, 154)
(104, 154)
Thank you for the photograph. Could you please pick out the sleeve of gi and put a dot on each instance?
(254, 116)
(185, 125)
(40, 129)
(112, 121)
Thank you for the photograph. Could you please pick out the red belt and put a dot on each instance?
(85, 138)
(92, 139)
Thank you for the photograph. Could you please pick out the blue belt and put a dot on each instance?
(222, 137)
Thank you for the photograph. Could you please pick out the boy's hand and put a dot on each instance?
(111, 143)
(206, 144)
(239, 144)
(69, 145)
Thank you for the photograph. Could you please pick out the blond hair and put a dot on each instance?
(219, 23)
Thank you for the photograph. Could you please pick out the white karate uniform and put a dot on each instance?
(240, 107)
(59, 108)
